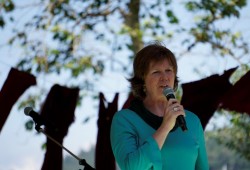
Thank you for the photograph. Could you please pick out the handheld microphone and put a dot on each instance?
(169, 93)
(38, 119)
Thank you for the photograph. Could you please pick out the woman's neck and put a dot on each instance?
(157, 107)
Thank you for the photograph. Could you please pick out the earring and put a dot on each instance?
(144, 88)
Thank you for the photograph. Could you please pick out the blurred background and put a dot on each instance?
(90, 45)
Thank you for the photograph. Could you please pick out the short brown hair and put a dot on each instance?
(151, 53)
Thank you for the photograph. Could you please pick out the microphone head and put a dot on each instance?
(27, 110)
(167, 91)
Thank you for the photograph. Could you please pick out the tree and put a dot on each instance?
(226, 157)
(89, 37)
(235, 136)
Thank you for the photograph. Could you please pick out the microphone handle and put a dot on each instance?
(37, 118)
(181, 122)
(170, 96)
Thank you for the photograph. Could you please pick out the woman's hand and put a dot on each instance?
(173, 110)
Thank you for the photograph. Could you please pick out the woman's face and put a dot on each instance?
(160, 75)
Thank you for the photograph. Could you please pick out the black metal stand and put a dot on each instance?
(81, 161)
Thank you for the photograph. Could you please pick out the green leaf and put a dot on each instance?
(8, 5)
(172, 18)
(2, 23)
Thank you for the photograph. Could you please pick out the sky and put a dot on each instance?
(21, 150)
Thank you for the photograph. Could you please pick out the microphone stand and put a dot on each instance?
(81, 161)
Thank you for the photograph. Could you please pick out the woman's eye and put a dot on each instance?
(169, 70)
(155, 72)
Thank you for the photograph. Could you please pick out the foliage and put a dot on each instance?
(6, 6)
(222, 157)
(206, 30)
(58, 36)
(66, 23)
(236, 136)
(85, 37)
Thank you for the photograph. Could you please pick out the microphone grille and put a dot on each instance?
(167, 91)
(27, 110)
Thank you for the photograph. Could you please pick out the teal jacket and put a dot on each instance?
(134, 147)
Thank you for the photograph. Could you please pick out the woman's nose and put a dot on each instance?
(164, 76)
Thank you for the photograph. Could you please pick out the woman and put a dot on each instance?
(146, 136)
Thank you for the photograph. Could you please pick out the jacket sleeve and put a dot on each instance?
(128, 152)
(202, 160)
